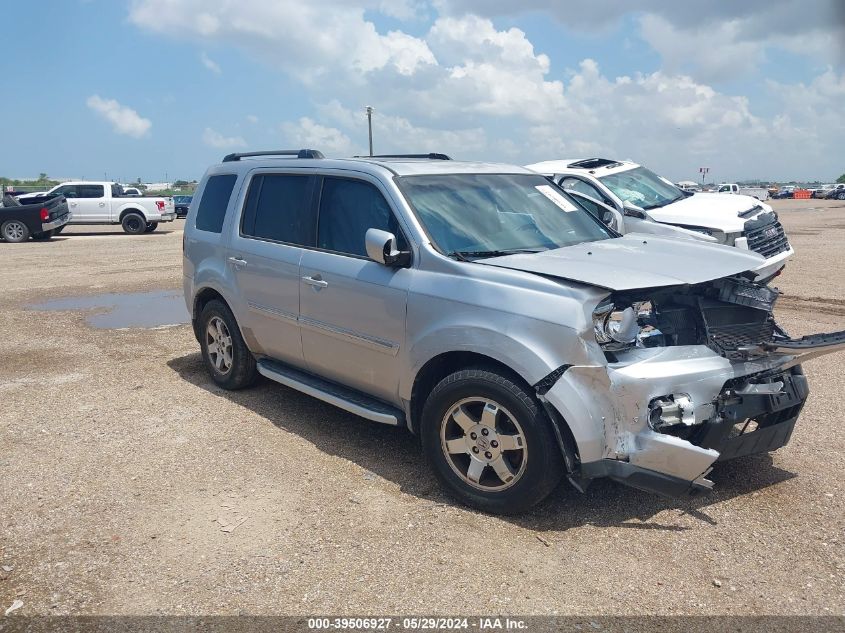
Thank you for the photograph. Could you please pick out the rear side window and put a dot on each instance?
(277, 209)
(347, 209)
(215, 199)
(90, 191)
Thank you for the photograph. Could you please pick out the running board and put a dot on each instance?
(332, 393)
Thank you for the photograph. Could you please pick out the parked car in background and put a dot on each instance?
(182, 203)
(760, 193)
(642, 201)
(94, 202)
(131, 192)
(836, 192)
(784, 192)
(486, 310)
(38, 220)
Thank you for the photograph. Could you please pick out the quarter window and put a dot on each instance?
(576, 184)
(348, 208)
(277, 208)
(215, 200)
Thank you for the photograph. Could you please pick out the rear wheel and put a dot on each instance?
(227, 358)
(489, 442)
(151, 226)
(134, 223)
(841, 196)
(14, 231)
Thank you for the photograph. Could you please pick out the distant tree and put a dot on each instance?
(181, 183)
(841, 178)
(42, 177)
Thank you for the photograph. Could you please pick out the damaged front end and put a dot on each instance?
(695, 374)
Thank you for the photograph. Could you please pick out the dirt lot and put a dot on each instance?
(129, 484)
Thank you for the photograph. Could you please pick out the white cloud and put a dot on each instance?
(215, 139)
(210, 63)
(307, 133)
(473, 90)
(251, 118)
(124, 120)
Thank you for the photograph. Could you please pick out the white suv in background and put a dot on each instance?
(640, 201)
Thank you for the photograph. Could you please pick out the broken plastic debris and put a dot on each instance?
(17, 604)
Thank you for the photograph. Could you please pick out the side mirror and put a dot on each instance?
(633, 210)
(381, 248)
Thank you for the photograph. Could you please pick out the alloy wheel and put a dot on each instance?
(484, 444)
(14, 231)
(219, 345)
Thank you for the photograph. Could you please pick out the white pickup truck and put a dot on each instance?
(105, 203)
(761, 193)
(633, 199)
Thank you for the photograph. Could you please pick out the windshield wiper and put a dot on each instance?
(466, 255)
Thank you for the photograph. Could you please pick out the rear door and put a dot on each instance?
(264, 254)
(69, 192)
(352, 309)
(91, 204)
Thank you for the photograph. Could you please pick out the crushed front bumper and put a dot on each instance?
(736, 408)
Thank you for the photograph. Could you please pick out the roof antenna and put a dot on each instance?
(370, 111)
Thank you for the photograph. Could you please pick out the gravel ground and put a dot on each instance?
(130, 484)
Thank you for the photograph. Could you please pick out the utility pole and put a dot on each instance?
(370, 126)
(703, 171)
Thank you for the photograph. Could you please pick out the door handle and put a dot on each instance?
(316, 281)
(237, 261)
(102, 204)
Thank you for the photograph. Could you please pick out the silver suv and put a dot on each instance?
(487, 311)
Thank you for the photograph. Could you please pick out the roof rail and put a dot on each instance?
(299, 153)
(431, 156)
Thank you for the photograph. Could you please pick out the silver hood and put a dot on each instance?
(634, 261)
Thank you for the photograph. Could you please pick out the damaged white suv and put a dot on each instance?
(486, 310)
(636, 199)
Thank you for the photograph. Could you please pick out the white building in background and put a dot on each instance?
(158, 186)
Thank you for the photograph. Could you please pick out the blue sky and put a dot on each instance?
(162, 88)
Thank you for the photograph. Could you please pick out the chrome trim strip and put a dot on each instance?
(346, 405)
(376, 344)
(273, 313)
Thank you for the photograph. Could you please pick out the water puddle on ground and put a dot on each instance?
(112, 311)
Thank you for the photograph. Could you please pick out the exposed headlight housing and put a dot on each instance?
(619, 328)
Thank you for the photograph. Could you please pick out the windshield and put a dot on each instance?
(493, 214)
(642, 187)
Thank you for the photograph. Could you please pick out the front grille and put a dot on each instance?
(767, 239)
(728, 340)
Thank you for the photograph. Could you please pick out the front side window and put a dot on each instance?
(348, 208)
(215, 199)
(90, 191)
(490, 214)
(277, 209)
(642, 187)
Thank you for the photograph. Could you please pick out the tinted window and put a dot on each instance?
(68, 191)
(116, 191)
(90, 191)
(347, 209)
(215, 199)
(277, 209)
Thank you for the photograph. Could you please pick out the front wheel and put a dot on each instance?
(151, 226)
(14, 231)
(489, 442)
(227, 358)
(134, 223)
(841, 196)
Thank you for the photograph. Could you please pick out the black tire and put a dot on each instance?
(532, 480)
(151, 226)
(14, 231)
(43, 237)
(841, 196)
(134, 223)
(241, 371)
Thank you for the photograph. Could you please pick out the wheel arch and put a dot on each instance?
(127, 210)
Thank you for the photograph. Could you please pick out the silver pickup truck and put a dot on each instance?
(487, 311)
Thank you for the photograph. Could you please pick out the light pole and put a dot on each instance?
(370, 126)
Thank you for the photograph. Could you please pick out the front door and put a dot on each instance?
(352, 309)
(264, 256)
